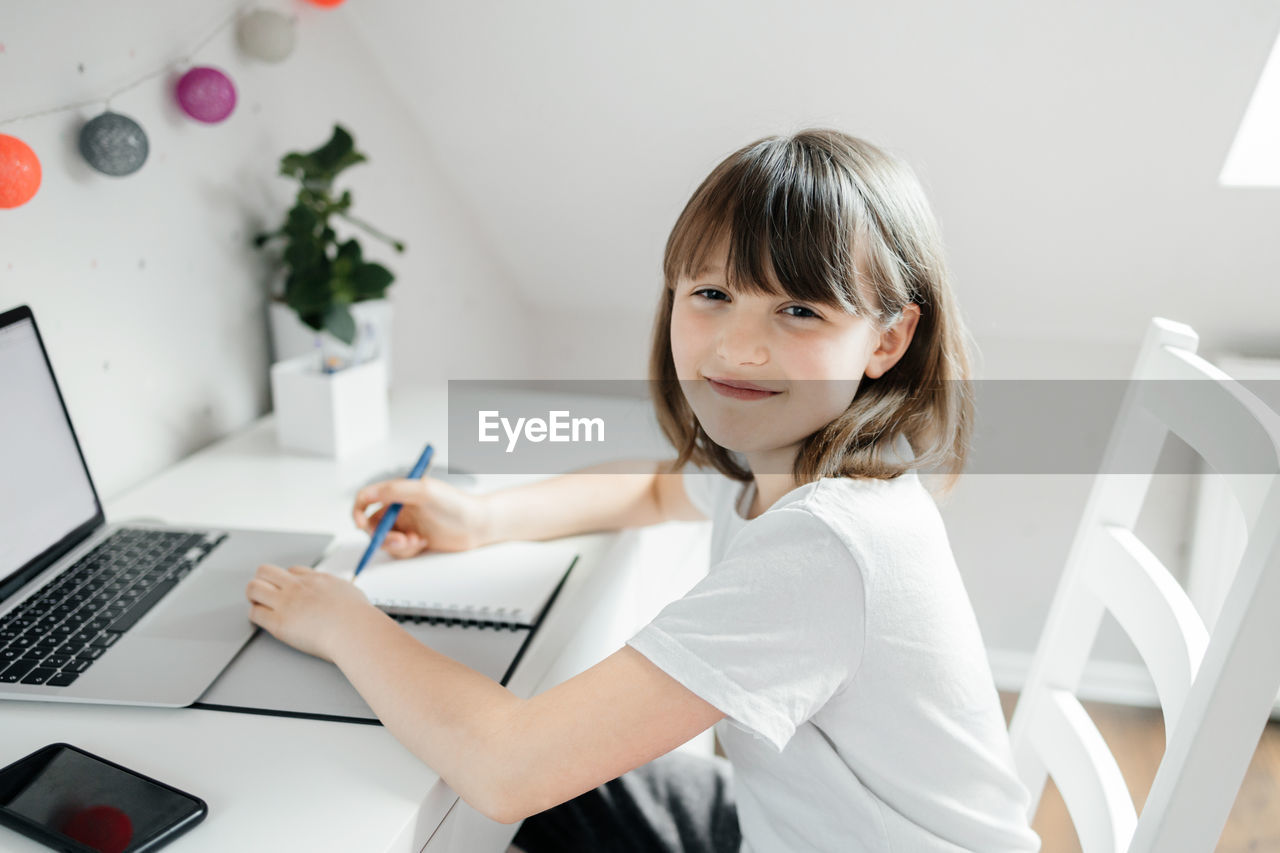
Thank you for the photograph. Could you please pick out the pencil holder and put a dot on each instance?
(331, 414)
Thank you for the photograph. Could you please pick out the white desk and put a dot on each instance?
(283, 784)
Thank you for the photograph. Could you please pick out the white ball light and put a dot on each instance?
(266, 35)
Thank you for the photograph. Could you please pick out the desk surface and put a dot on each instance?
(275, 783)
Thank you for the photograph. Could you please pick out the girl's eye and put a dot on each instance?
(807, 312)
(711, 290)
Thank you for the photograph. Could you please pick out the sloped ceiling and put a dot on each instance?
(1071, 150)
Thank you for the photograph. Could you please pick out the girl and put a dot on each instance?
(807, 356)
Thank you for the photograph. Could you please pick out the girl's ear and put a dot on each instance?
(893, 342)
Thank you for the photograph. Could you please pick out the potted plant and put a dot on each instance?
(327, 286)
(330, 290)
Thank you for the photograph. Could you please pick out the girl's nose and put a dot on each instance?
(743, 339)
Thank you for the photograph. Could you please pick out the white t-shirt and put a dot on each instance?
(835, 633)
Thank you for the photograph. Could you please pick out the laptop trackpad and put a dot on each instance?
(204, 606)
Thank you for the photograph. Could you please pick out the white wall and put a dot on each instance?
(1071, 151)
(146, 288)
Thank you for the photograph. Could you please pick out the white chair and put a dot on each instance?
(1216, 690)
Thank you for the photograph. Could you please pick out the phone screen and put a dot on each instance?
(62, 793)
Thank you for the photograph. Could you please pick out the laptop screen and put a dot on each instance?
(45, 491)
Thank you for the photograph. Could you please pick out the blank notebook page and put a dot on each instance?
(506, 582)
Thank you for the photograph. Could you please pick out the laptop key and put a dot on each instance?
(62, 679)
(140, 606)
(90, 653)
(39, 675)
(105, 639)
(16, 671)
(77, 665)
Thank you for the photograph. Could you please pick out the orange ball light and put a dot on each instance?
(325, 2)
(19, 172)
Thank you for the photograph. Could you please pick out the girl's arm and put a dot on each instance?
(603, 497)
(510, 757)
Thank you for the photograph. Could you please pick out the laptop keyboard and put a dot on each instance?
(58, 633)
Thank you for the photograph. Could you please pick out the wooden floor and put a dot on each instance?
(1136, 738)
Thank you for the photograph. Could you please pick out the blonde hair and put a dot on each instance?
(834, 220)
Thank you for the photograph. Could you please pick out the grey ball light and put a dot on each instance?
(114, 144)
(266, 35)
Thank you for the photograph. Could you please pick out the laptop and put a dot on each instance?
(135, 613)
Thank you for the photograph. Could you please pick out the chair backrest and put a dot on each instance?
(1216, 691)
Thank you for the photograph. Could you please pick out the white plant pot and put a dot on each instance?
(291, 338)
(330, 414)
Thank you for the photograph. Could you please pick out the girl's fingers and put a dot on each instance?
(394, 544)
(368, 523)
(259, 615)
(401, 545)
(272, 574)
(389, 492)
(261, 593)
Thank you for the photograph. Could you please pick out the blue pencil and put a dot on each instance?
(389, 517)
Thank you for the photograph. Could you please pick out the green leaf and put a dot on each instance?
(302, 255)
(307, 290)
(314, 321)
(339, 323)
(340, 144)
(371, 281)
(336, 154)
(345, 265)
(300, 166)
(350, 252)
(301, 223)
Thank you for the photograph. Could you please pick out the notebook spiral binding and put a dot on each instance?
(454, 616)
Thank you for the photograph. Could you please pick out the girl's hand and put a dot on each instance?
(435, 516)
(311, 611)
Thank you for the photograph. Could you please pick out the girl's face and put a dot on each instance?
(804, 361)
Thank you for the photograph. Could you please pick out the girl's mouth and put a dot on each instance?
(738, 392)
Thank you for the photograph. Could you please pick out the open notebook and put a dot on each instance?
(503, 585)
(500, 592)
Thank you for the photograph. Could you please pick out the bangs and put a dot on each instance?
(790, 217)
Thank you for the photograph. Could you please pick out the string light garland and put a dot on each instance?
(115, 144)
(186, 60)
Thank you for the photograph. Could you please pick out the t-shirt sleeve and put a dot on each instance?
(772, 632)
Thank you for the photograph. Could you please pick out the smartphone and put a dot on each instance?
(72, 800)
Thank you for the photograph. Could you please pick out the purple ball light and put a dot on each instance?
(206, 94)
